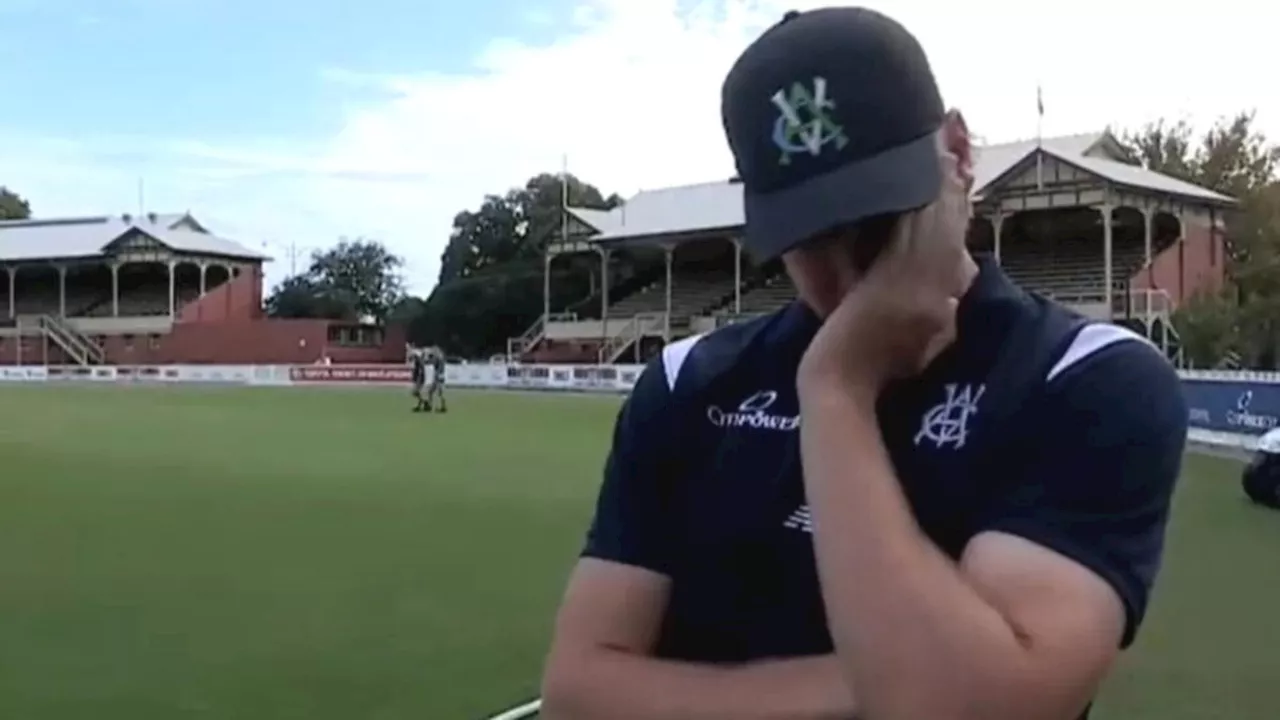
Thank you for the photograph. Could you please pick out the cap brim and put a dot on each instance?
(907, 177)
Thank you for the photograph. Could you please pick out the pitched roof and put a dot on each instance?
(713, 206)
(84, 237)
(687, 208)
(993, 161)
(1143, 179)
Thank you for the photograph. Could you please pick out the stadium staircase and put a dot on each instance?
(518, 346)
(586, 308)
(75, 344)
(1150, 314)
(632, 331)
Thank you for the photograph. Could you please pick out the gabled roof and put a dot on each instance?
(687, 208)
(991, 162)
(708, 207)
(1100, 155)
(84, 237)
(1143, 179)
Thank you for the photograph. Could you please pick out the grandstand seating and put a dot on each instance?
(691, 294)
(139, 302)
(176, 252)
(1043, 246)
(775, 292)
(36, 300)
(1071, 271)
(146, 302)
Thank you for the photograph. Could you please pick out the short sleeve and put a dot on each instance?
(1097, 481)
(631, 524)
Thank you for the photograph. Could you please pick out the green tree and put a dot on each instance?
(355, 280)
(303, 296)
(1235, 159)
(1207, 326)
(13, 206)
(490, 286)
(408, 308)
(364, 270)
(1165, 148)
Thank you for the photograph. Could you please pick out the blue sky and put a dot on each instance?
(198, 65)
(128, 85)
(282, 123)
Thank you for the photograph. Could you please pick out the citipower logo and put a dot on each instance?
(1241, 416)
(753, 413)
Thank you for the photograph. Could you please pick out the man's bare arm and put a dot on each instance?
(600, 665)
(1014, 630)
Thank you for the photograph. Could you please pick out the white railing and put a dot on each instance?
(618, 341)
(518, 346)
(1145, 305)
(80, 348)
(631, 331)
(529, 339)
(1171, 335)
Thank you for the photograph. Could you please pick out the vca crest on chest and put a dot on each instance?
(947, 423)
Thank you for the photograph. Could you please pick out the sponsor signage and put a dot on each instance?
(1247, 408)
(351, 374)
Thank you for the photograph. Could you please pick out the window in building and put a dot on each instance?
(356, 335)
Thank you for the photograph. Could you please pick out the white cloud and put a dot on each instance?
(630, 92)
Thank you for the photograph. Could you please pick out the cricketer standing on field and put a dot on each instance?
(918, 491)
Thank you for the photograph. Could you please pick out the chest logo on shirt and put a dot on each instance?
(947, 423)
(754, 413)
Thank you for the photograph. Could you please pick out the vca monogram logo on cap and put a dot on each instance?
(804, 123)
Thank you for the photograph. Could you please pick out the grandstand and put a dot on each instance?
(1073, 218)
(152, 289)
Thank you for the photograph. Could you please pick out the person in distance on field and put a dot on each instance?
(435, 393)
(418, 361)
(918, 492)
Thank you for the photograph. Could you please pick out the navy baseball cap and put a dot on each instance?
(831, 116)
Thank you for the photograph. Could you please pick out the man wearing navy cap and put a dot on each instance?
(918, 492)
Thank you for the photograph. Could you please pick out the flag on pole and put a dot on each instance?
(1040, 100)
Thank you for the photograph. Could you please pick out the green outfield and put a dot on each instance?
(292, 554)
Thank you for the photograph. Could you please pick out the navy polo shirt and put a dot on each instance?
(703, 482)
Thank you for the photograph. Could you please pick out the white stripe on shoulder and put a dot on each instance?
(1091, 339)
(674, 355)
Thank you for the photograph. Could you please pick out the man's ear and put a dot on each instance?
(956, 141)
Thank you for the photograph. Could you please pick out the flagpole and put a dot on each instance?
(1039, 137)
(564, 198)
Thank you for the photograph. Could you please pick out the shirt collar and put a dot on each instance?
(991, 287)
(987, 300)
(987, 308)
